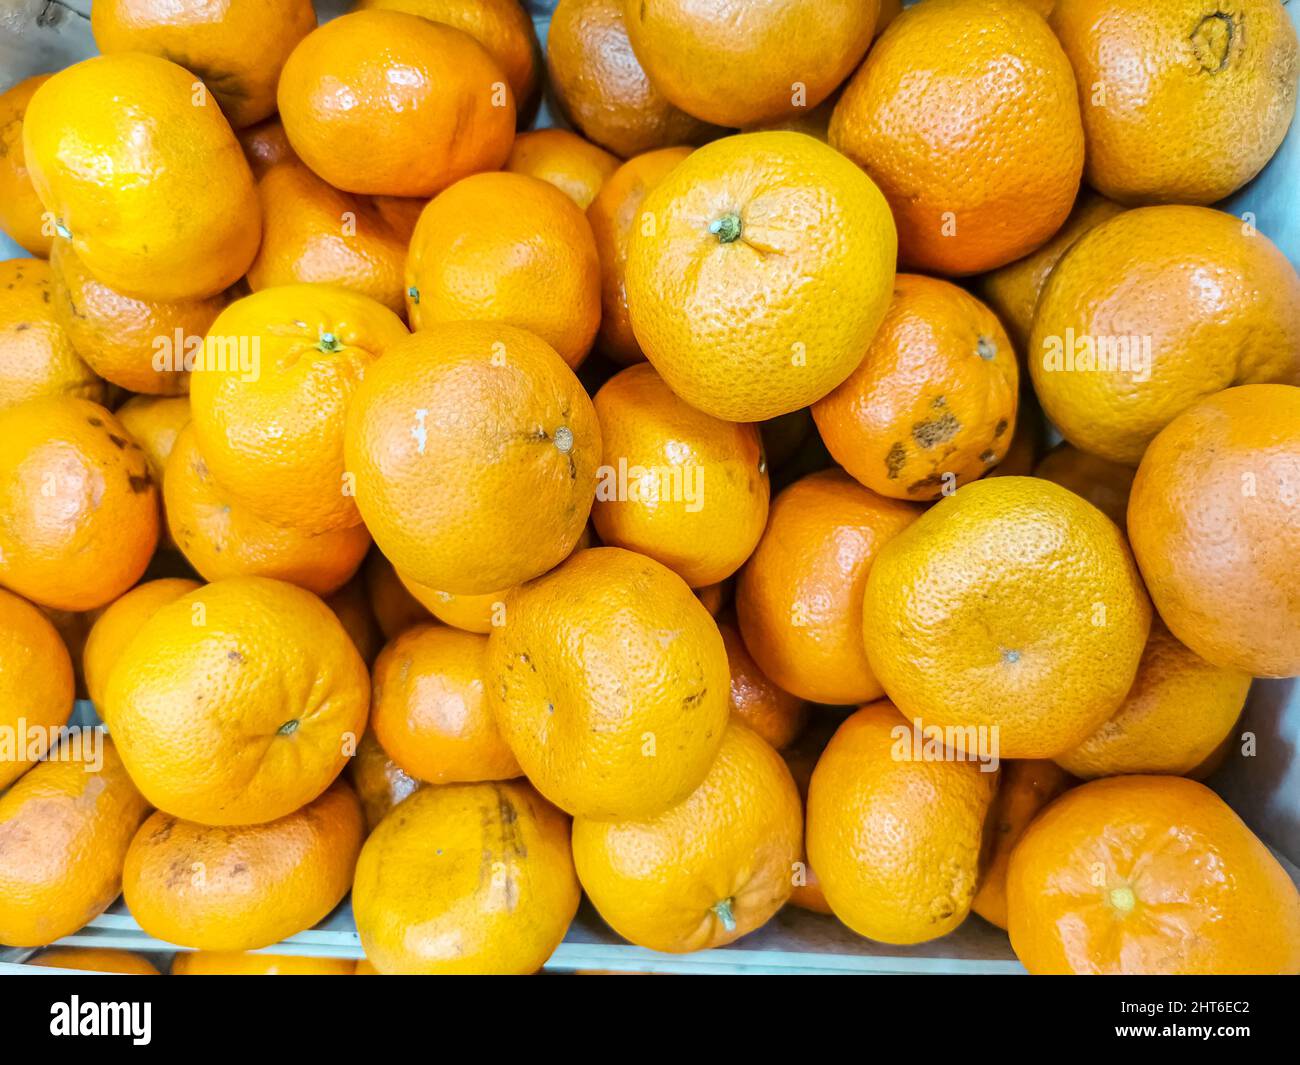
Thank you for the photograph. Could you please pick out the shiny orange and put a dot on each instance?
(1104, 484)
(265, 145)
(36, 686)
(22, 215)
(576, 167)
(117, 625)
(380, 783)
(777, 716)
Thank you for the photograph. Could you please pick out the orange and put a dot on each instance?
(1213, 522)
(710, 869)
(601, 87)
(775, 715)
(1102, 483)
(1149, 875)
(380, 783)
(896, 840)
(715, 596)
(799, 600)
(245, 887)
(64, 831)
(96, 960)
(758, 274)
(1025, 787)
(36, 686)
(1012, 610)
(117, 625)
(466, 878)
(507, 248)
(1178, 712)
(429, 708)
(614, 214)
(424, 102)
(154, 422)
(395, 608)
(965, 113)
(265, 145)
(124, 339)
(22, 215)
(576, 167)
(675, 484)
(610, 684)
(351, 605)
(801, 759)
(78, 509)
(73, 628)
(461, 436)
(932, 405)
(37, 357)
(237, 703)
(313, 232)
(1183, 102)
(144, 176)
(1028, 440)
(1128, 334)
(739, 62)
(242, 963)
(279, 371)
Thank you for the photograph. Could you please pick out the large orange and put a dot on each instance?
(610, 684)
(1183, 102)
(576, 167)
(1011, 607)
(279, 371)
(799, 600)
(1128, 333)
(966, 115)
(248, 963)
(78, 509)
(98, 960)
(461, 436)
(710, 869)
(144, 176)
(507, 248)
(390, 104)
(933, 403)
(739, 62)
(896, 840)
(758, 274)
(245, 887)
(237, 703)
(1214, 524)
(380, 783)
(1149, 875)
(466, 878)
(1102, 483)
(36, 686)
(22, 215)
(775, 714)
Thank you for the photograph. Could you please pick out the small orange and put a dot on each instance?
(22, 215)
(933, 404)
(351, 605)
(425, 102)
(154, 422)
(507, 248)
(1104, 484)
(97, 960)
(78, 509)
(244, 963)
(710, 869)
(801, 759)
(1028, 441)
(265, 145)
(716, 596)
(380, 783)
(776, 715)
(395, 608)
(36, 686)
(576, 167)
(799, 600)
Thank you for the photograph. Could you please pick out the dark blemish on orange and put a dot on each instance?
(935, 431)
(139, 484)
(98, 423)
(1000, 428)
(117, 441)
(895, 460)
(21, 326)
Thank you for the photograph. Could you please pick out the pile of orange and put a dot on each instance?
(467, 514)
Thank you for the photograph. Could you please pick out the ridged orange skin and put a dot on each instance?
(966, 115)
(427, 101)
(222, 538)
(700, 501)
(932, 405)
(380, 783)
(97, 960)
(799, 599)
(395, 608)
(244, 887)
(896, 841)
(1013, 605)
(507, 440)
(1149, 875)
(710, 869)
(78, 509)
(37, 357)
(613, 215)
(241, 963)
(601, 87)
(265, 145)
(118, 623)
(154, 422)
(1104, 484)
(64, 831)
(740, 62)
(21, 211)
(312, 232)
(114, 144)
(775, 715)
(117, 335)
(1142, 275)
(1183, 101)
(273, 439)
(773, 318)
(466, 879)
(605, 659)
(429, 708)
(1229, 462)
(575, 166)
(351, 605)
(36, 679)
(237, 703)
(1024, 788)
(507, 248)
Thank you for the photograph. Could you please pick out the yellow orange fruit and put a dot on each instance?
(154, 422)
(117, 625)
(472, 613)
(36, 686)
(351, 605)
(245, 963)
(395, 609)
(265, 145)
(22, 215)
(775, 715)
(380, 783)
(576, 167)
(1104, 484)
(97, 960)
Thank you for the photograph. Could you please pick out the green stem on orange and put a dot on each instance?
(723, 911)
(726, 228)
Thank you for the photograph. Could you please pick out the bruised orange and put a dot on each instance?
(380, 783)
